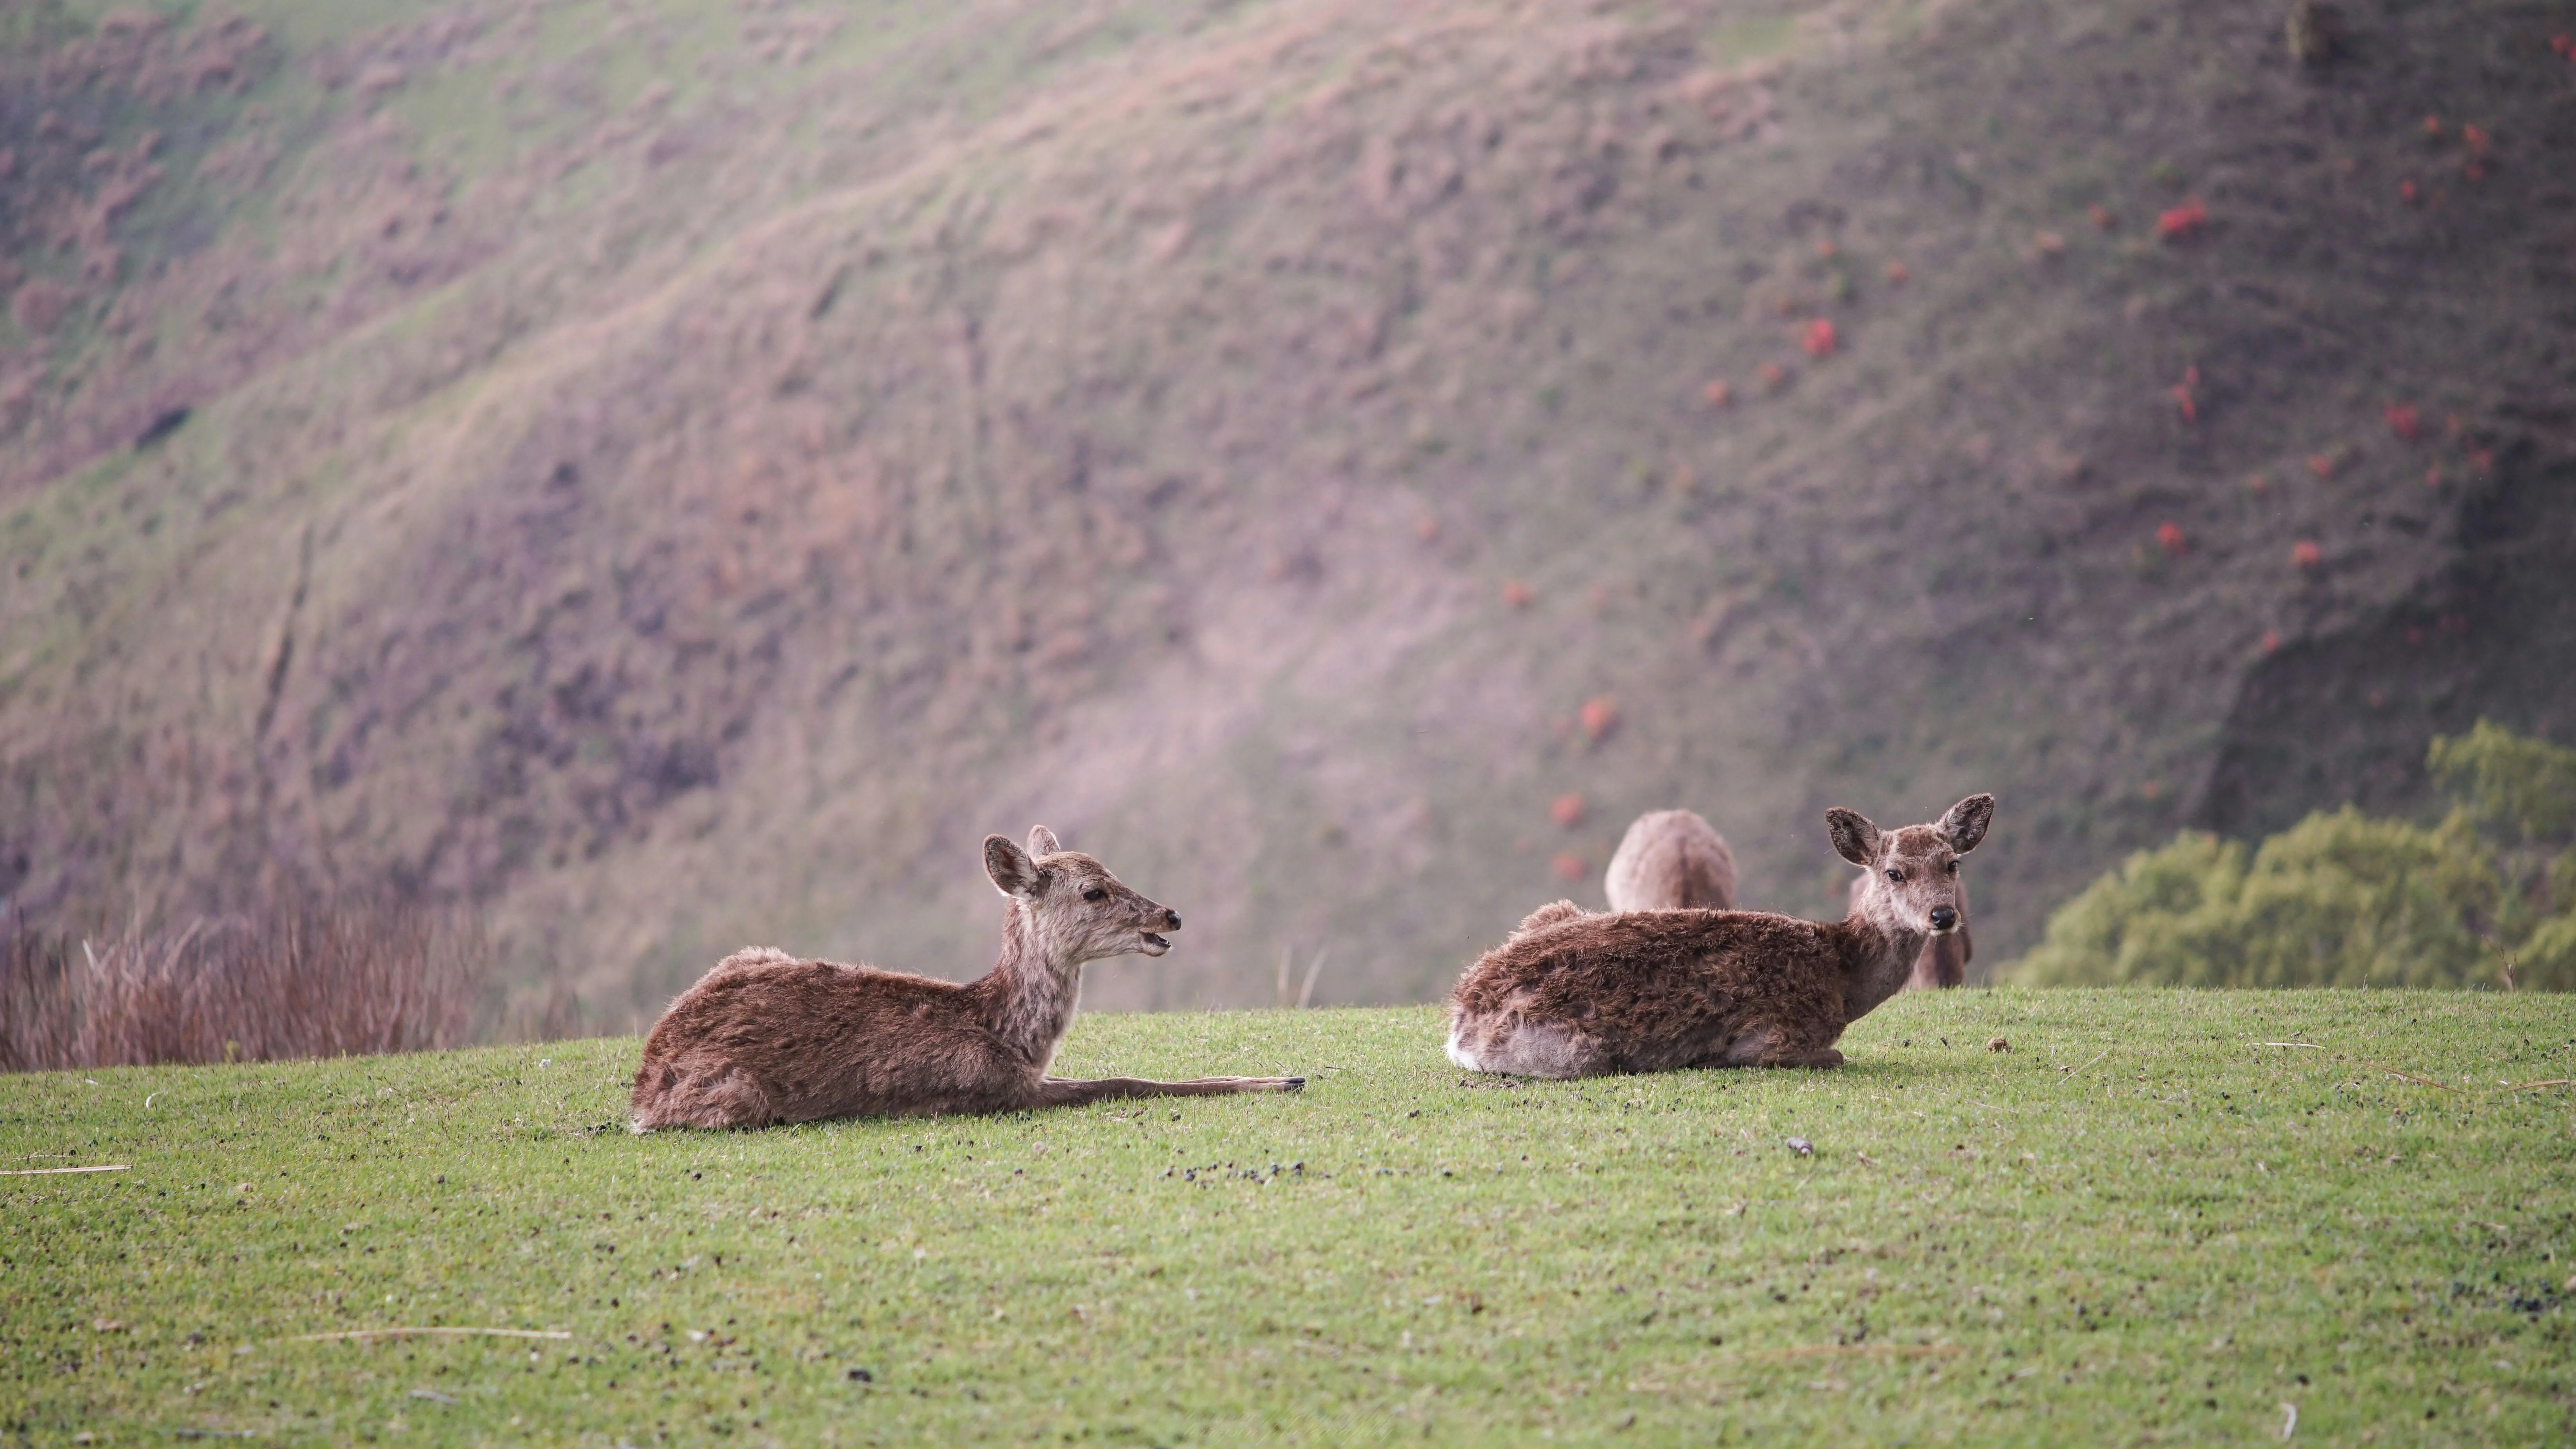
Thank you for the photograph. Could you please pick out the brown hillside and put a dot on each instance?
(678, 475)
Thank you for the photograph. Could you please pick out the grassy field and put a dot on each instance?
(2145, 1221)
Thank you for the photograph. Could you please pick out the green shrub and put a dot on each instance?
(2344, 899)
(2510, 782)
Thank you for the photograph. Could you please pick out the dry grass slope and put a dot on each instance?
(300, 976)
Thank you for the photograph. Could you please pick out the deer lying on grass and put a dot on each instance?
(1578, 995)
(1945, 958)
(765, 1038)
(1671, 860)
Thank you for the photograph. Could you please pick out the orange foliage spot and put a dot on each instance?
(1600, 715)
(2271, 641)
(2183, 222)
(2257, 482)
(2102, 219)
(1718, 393)
(1517, 594)
(2322, 464)
(2049, 243)
(2483, 460)
(2169, 538)
(1897, 274)
(1825, 246)
(1820, 338)
(2475, 139)
(2182, 400)
(2406, 189)
(1569, 866)
(1426, 528)
(2432, 125)
(1773, 375)
(1566, 810)
(2403, 420)
(2305, 553)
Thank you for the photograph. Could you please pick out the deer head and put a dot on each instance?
(1072, 905)
(1913, 887)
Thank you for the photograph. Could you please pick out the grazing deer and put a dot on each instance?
(765, 1038)
(1945, 958)
(1671, 860)
(1577, 995)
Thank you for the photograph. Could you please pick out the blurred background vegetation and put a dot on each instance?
(2487, 897)
(646, 476)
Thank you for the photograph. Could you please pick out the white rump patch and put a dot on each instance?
(1459, 1054)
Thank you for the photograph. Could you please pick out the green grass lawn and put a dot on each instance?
(2139, 1223)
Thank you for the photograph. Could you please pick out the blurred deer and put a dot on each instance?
(1671, 860)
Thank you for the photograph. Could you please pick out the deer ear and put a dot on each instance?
(1010, 867)
(1855, 839)
(1042, 841)
(1966, 823)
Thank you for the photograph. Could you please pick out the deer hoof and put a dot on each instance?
(1292, 1084)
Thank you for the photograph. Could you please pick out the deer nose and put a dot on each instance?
(1171, 920)
(1943, 918)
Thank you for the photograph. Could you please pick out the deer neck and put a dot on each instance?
(1028, 997)
(1875, 961)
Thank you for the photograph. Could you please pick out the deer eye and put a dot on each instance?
(1896, 875)
(1093, 893)
(1952, 867)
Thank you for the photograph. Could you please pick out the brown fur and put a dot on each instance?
(765, 1038)
(1573, 995)
(1671, 860)
(1944, 962)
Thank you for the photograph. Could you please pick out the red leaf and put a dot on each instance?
(1600, 716)
(2182, 222)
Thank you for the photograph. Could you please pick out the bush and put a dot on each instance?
(300, 976)
(2344, 899)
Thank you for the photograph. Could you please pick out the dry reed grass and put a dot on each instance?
(299, 975)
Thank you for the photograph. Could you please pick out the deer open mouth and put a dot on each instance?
(1154, 945)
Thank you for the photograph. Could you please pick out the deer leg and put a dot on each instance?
(1770, 1046)
(1066, 1092)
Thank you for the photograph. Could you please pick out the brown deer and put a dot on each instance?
(1945, 958)
(1576, 995)
(765, 1038)
(1671, 860)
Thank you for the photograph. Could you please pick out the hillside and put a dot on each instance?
(678, 474)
